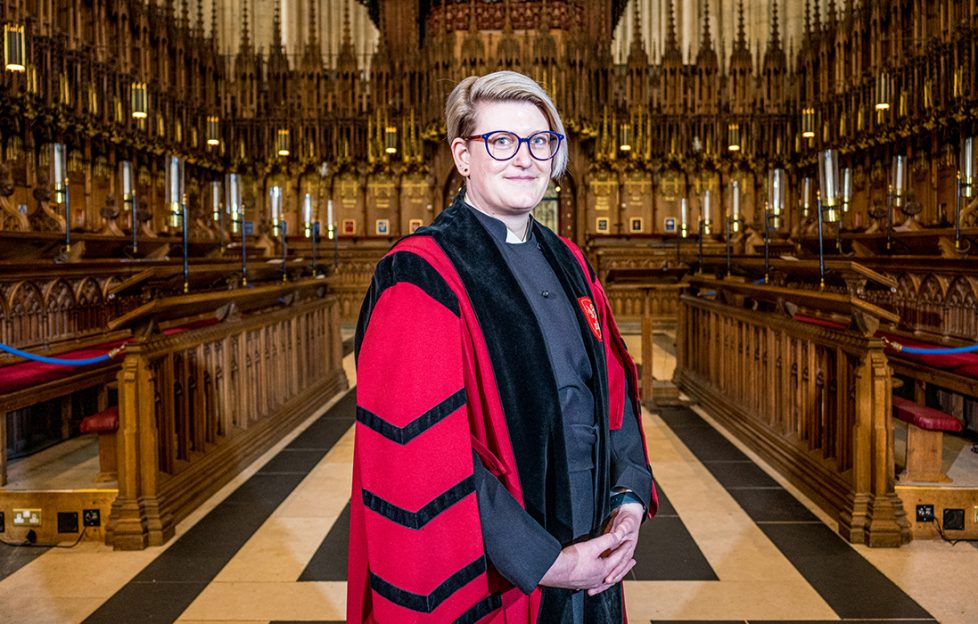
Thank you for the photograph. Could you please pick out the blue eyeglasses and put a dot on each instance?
(503, 145)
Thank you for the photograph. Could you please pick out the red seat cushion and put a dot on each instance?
(104, 421)
(924, 417)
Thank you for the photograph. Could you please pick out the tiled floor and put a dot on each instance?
(731, 543)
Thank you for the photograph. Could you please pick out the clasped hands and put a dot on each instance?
(600, 562)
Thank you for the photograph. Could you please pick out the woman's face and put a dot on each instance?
(507, 187)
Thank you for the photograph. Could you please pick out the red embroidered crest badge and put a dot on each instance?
(587, 307)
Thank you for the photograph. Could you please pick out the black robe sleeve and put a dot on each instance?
(629, 471)
(517, 546)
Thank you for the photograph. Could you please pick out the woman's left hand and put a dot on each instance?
(625, 521)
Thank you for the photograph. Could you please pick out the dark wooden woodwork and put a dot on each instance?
(812, 401)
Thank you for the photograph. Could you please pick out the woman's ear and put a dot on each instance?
(462, 156)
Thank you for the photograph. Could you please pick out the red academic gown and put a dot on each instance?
(431, 392)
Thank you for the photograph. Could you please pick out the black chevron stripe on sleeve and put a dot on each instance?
(403, 435)
(428, 603)
(417, 519)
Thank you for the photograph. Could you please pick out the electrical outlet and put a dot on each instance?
(91, 517)
(27, 517)
(953, 520)
(925, 513)
(67, 522)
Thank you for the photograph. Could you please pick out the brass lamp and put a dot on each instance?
(213, 130)
(733, 137)
(275, 201)
(776, 194)
(13, 48)
(140, 100)
(282, 142)
(846, 189)
(828, 182)
(966, 165)
(808, 123)
(390, 139)
(174, 190)
(884, 91)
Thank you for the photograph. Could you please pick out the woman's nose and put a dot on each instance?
(523, 157)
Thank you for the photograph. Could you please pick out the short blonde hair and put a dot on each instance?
(501, 86)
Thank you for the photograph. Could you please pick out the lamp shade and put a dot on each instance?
(282, 142)
(733, 137)
(967, 164)
(884, 91)
(140, 100)
(216, 200)
(390, 139)
(846, 189)
(828, 177)
(174, 189)
(808, 123)
(735, 206)
(213, 130)
(13, 48)
(683, 217)
(275, 202)
(625, 137)
(125, 173)
(705, 221)
(232, 187)
(59, 171)
(898, 179)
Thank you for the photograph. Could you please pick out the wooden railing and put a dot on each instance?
(813, 401)
(196, 407)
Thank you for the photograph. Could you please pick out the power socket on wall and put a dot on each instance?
(91, 517)
(925, 513)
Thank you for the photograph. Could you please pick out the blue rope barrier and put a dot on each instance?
(59, 361)
(896, 346)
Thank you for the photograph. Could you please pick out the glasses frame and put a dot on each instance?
(520, 141)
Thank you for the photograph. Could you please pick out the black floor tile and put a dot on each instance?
(665, 505)
(846, 581)
(147, 603)
(772, 505)
(293, 461)
(168, 585)
(667, 552)
(13, 558)
(737, 474)
(709, 446)
(266, 488)
(322, 435)
(330, 561)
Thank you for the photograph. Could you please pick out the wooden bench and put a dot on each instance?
(105, 424)
(925, 439)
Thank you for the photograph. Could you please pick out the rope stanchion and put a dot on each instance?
(60, 361)
(896, 346)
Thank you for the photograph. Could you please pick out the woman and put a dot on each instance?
(500, 471)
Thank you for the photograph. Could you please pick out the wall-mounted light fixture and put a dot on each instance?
(213, 130)
(282, 142)
(733, 137)
(140, 100)
(808, 123)
(13, 48)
